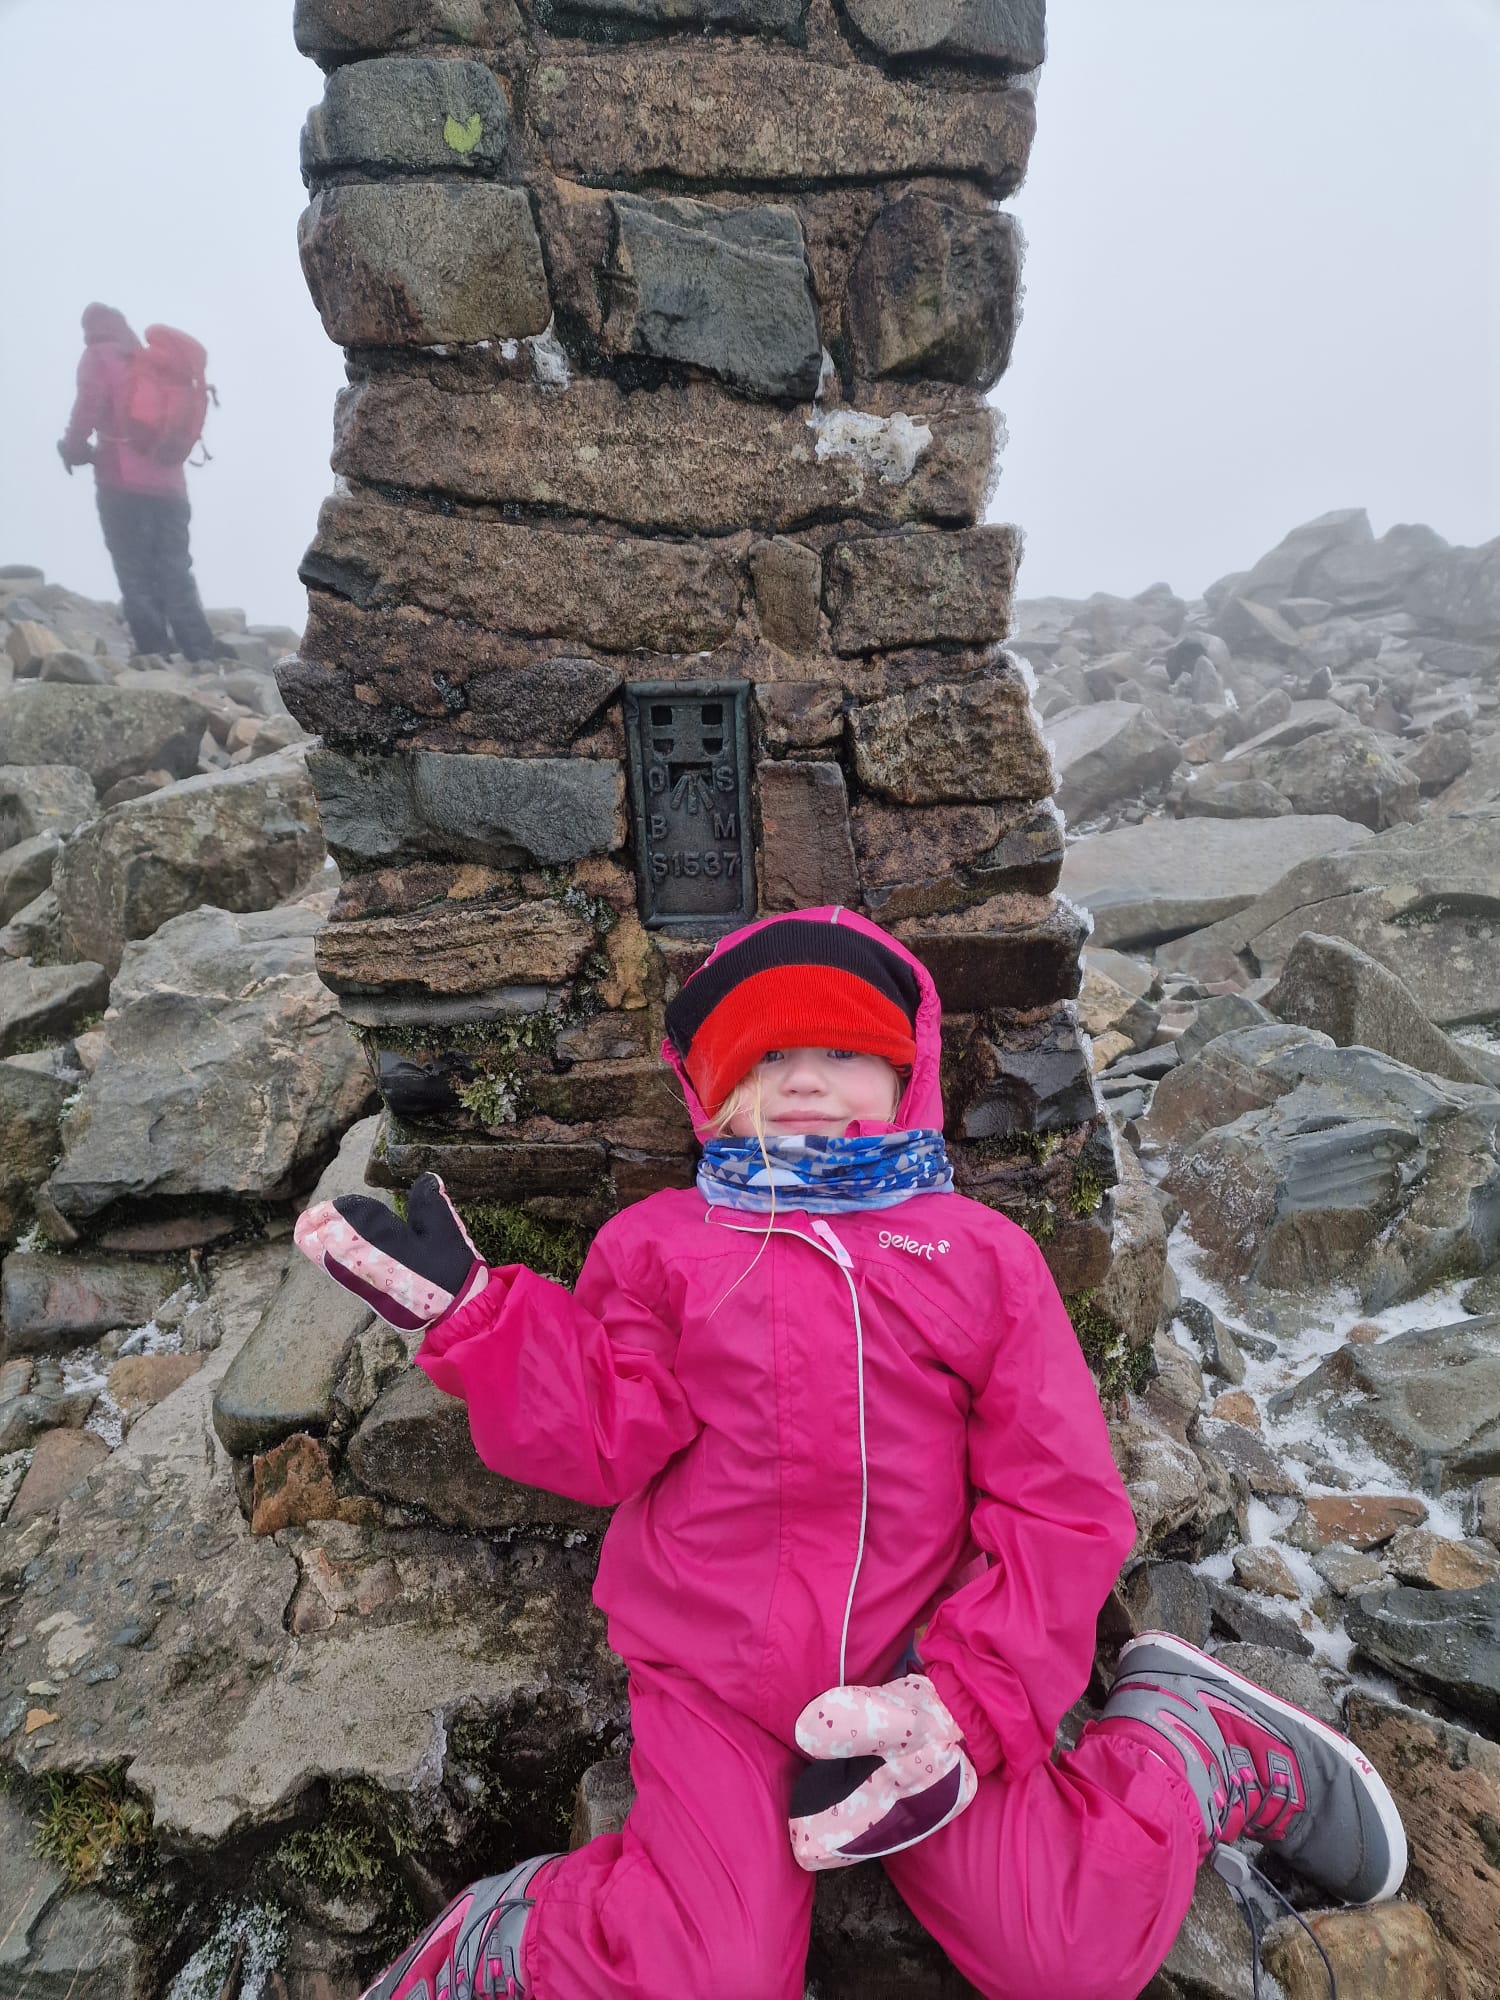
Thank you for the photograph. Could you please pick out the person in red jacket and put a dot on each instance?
(865, 1517)
(143, 503)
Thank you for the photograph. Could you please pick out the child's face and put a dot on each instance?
(820, 1091)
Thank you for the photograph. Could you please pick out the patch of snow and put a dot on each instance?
(890, 446)
(258, 1931)
(13, 1469)
(107, 1421)
(549, 360)
(1297, 1356)
(85, 1370)
(152, 1339)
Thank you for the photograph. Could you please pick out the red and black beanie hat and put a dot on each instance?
(795, 984)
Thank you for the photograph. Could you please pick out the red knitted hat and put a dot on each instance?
(791, 985)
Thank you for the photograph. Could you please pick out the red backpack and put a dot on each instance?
(166, 396)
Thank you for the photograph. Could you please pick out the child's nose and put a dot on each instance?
(804, 1074)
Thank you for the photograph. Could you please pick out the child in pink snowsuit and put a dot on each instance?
(866, 1514)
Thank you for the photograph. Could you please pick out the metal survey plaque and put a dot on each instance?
(690, 796)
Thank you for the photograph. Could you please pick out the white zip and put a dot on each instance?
(832, 1248)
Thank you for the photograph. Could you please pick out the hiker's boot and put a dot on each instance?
(472, 1949)
(1261, 1769)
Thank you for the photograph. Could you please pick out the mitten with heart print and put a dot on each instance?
(413, 1272)
(889, 1769)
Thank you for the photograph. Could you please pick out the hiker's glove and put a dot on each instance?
(413, 1273)
(890, 1768)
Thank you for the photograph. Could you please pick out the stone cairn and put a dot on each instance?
(655, 591)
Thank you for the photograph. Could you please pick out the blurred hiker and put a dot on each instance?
(138, 414)
(865, 1518)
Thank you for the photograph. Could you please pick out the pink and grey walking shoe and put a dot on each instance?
(1262, 1770)
(472, 1950)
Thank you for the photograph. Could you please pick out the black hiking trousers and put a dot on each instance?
(147, 538)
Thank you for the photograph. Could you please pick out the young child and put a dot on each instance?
(866, 1516)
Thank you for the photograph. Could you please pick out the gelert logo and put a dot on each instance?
(889, 1240)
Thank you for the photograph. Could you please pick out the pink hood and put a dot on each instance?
(108, 325)
(921, 1107)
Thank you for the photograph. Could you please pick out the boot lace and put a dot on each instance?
(1238, 1872)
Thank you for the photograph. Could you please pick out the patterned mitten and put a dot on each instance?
(890, 1769)
(413, 1273)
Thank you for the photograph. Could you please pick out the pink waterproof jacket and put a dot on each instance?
(808, 1445)
(98, 411)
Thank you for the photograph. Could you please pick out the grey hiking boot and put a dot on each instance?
(472, 1950)
(1262, 1770)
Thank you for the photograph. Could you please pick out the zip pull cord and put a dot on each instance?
(825, 1234)
(824, 1230)
(828, 1245)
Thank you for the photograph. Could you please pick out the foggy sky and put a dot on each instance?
(1262, 278)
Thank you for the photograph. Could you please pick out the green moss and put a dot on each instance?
(1038, 1147)
(1087, 1192)
(1479, 911)
(89, 1824)
(506, 1235)
(534, 1033)
(489, 1098)
(352, 1852)
(593, 909)
(1118, 1368)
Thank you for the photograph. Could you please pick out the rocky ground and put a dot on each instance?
(280, 1662)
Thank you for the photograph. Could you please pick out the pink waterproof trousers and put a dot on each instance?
(1068, 1883)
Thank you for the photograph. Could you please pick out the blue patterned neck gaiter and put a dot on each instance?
(823, 1176)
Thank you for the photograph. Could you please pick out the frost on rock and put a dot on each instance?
(549, 360)
(256, 1935)
(1069, 908)
(890, 446)
(1319, 1461)
(152, 1339)
(13, 1467)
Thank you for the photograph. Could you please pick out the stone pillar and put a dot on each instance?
(655, 590)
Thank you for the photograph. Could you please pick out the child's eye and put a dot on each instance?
(774, 1056)
(843, 1055)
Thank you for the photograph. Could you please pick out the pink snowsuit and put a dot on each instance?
(802, 1461)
